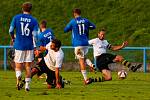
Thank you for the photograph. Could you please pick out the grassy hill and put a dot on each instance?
(124, 19)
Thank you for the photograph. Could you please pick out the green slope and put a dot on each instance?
(124, 19)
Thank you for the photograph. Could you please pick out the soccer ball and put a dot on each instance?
(122, 74)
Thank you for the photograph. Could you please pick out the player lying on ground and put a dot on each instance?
(103, 59)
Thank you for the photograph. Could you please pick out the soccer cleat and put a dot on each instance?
(22, 83)
(18, 86)
(62, 83)
(88, 81)
(92, 79)
(134, 68)
(66, 81)
(19, 83)
(27, 88)
(49, 86)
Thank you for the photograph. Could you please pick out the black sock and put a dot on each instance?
(126, 63)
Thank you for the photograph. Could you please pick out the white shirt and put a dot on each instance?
(53, 59)
(99, 46)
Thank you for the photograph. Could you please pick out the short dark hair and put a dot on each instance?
(77, 10)
(27, 6)
(103, 29)
(43, 23)
(57, 43)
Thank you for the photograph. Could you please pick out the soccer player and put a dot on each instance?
(46, 34)
(80, 33)
(26, 27)
(52, 63)
(103, 59)
(44, 38)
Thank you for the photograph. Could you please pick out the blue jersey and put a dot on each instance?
(80, 31)
(46, 37)
(25, 26)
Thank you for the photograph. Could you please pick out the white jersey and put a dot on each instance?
(53, 59)
(99, 46)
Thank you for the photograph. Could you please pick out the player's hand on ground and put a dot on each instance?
(58, 86)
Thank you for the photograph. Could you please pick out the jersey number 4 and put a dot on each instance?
(24, 29)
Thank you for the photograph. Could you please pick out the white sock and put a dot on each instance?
(18, 74)
(27, 85)
(84, 74)
(88, 62)
(27, 80)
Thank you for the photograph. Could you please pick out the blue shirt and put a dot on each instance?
(46, 37)
(80, 31)
(25, 26)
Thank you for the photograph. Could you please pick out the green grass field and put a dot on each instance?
(135, 87)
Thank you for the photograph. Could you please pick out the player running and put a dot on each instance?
(80, 33)
(26, 27)
(103, 59)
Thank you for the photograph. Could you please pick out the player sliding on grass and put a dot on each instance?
(26, 27)
(80, 32)
(103, 59)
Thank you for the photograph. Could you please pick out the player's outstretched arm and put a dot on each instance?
(91, 26)
(68, 27)
(114, 48)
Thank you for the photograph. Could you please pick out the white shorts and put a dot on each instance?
(81, 51)
(24, 56)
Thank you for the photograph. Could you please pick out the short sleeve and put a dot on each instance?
(59, 60)
(91, 42)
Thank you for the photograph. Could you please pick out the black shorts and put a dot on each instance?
(42, 68)
(103, 60)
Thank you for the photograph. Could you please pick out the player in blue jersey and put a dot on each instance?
(44, 38)
(46, 34)
(26, 27)
(80, 35)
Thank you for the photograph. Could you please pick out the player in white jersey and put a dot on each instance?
(103, 59)
(52, 63)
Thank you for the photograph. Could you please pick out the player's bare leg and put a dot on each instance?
(106, 75)
(127, 63)
(91, 65)
(83, 70)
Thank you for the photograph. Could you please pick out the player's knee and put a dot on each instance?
(118, 58)
(107, 78)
